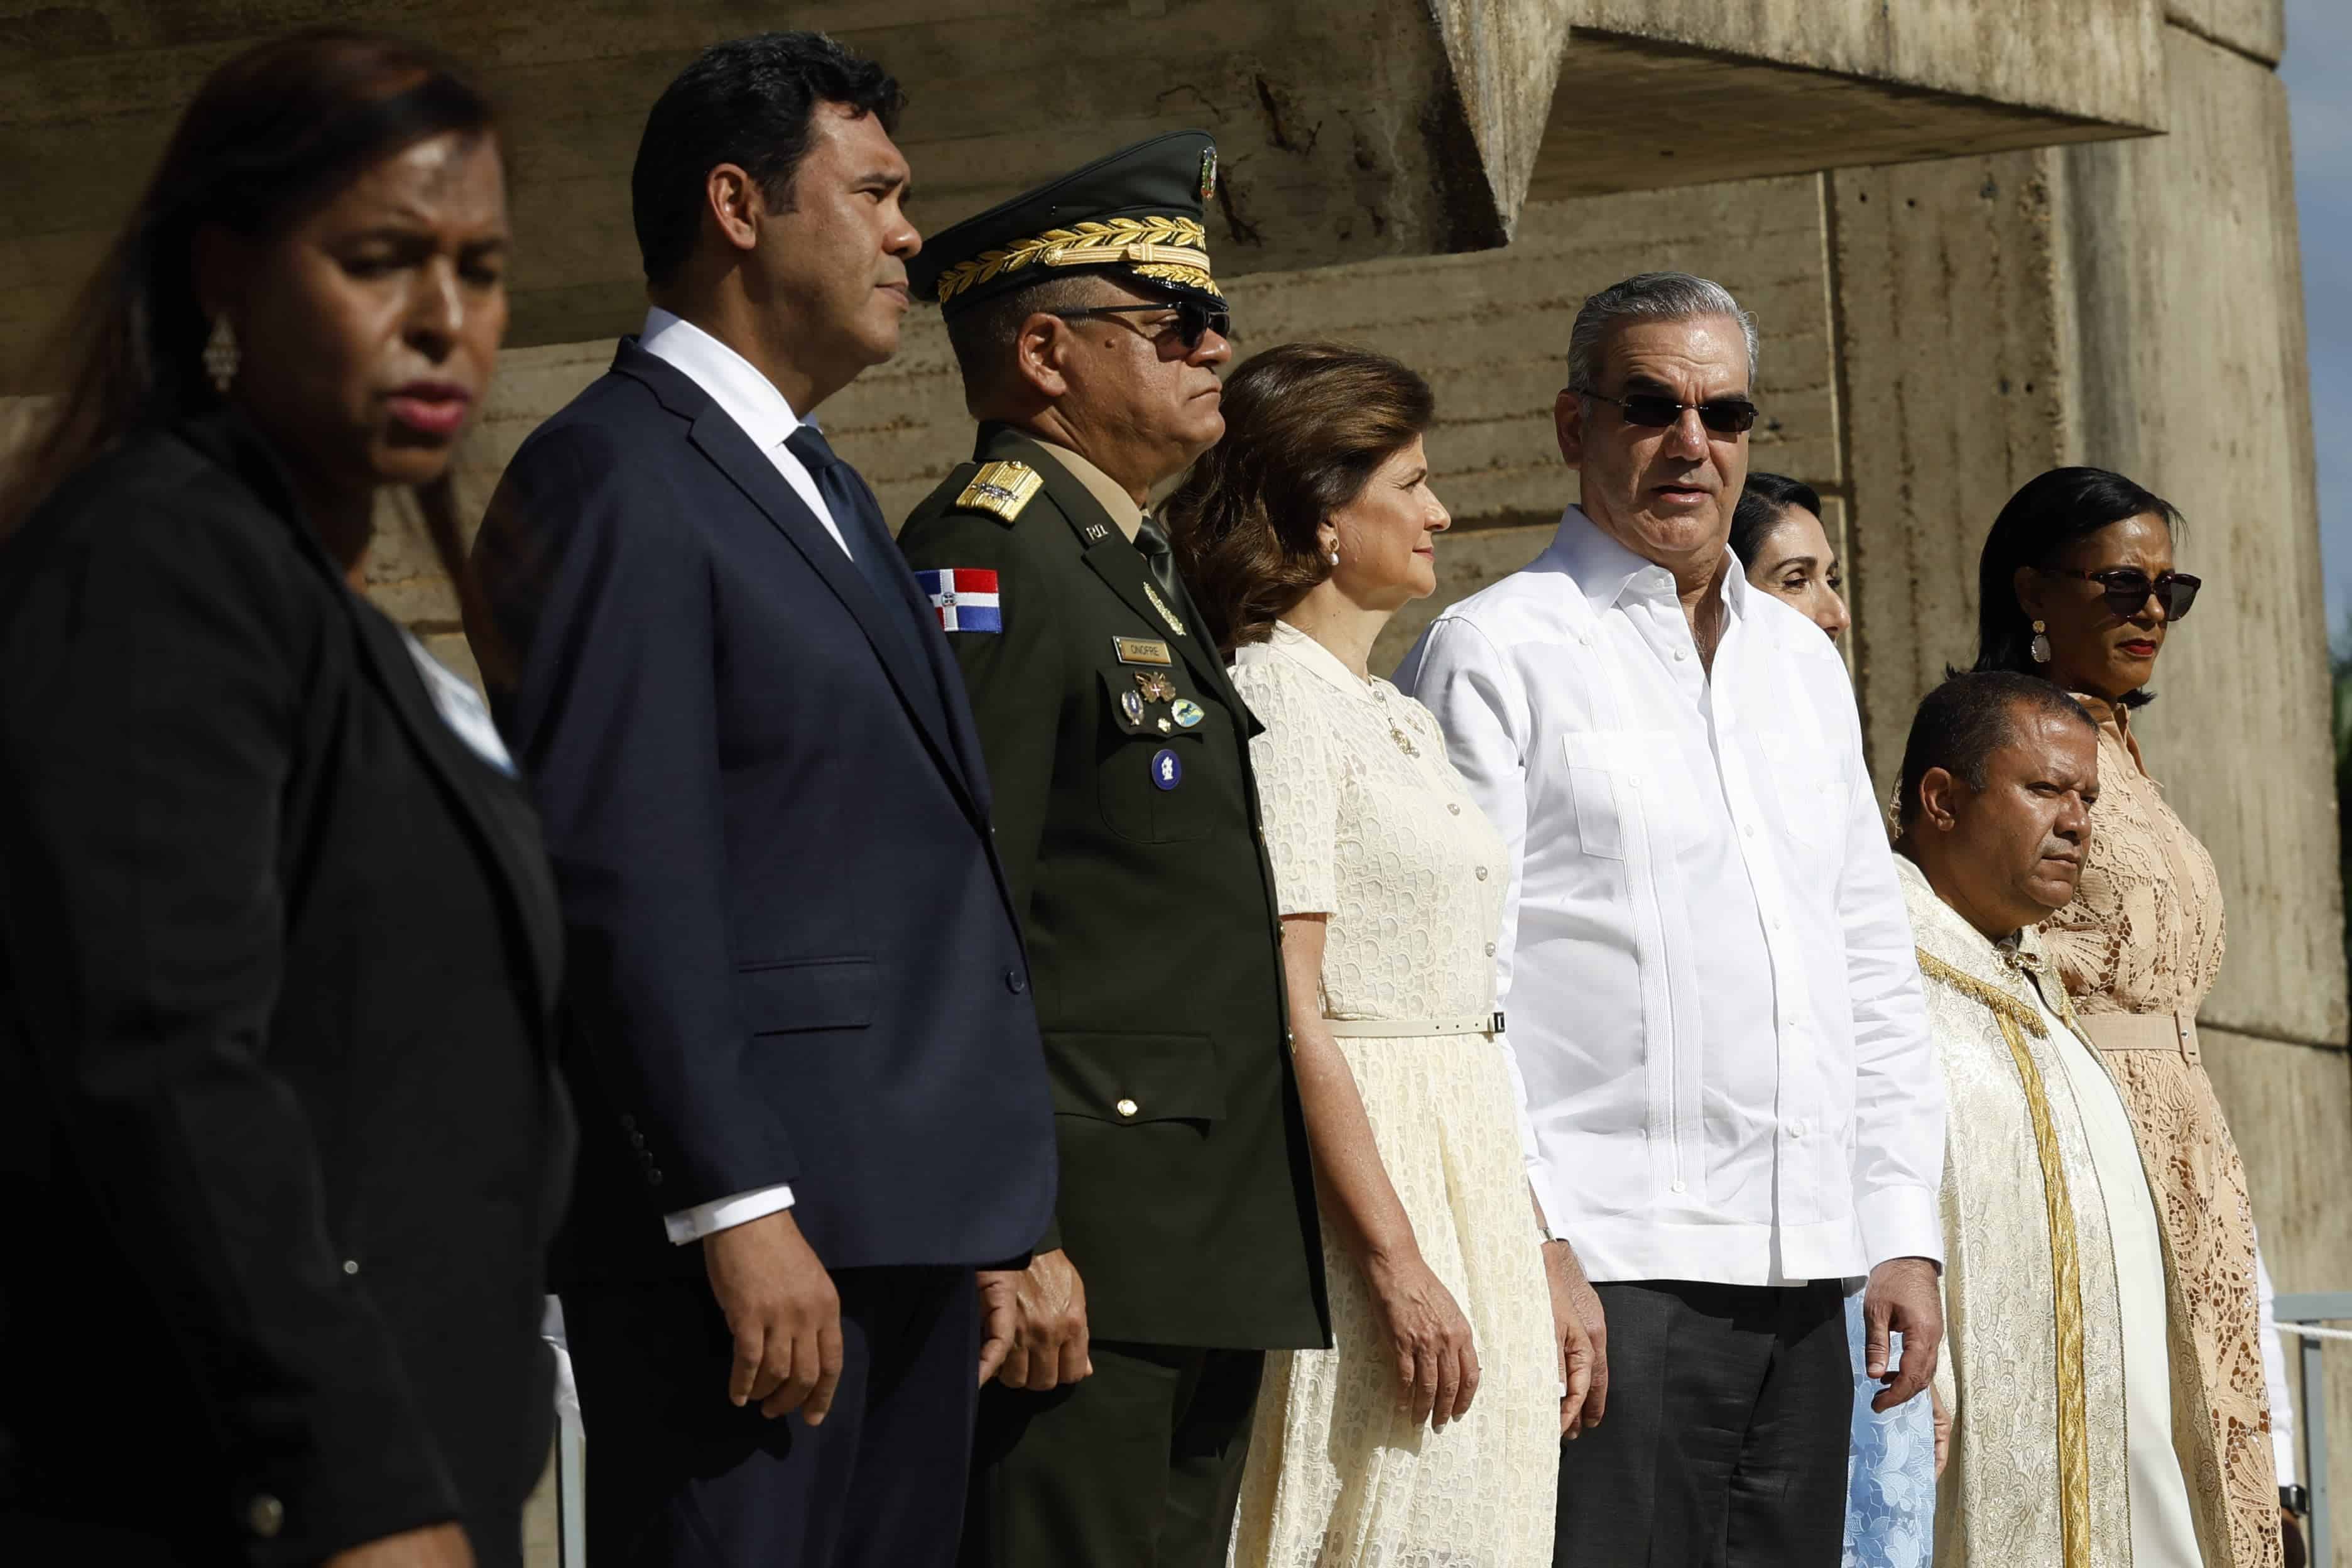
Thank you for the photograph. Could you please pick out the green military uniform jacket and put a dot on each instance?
(1126, 820)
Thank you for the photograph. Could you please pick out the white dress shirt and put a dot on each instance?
(748, 397)
(751, 401)
(1713, 999)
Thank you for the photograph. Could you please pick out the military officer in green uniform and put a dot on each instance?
(1088, 329)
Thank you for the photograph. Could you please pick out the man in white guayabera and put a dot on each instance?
(1734, 1110)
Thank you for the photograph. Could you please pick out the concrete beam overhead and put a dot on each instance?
(1392, 129)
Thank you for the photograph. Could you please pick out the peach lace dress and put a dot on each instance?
(2139, 947)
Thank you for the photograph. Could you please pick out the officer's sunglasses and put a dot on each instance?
(1195, 321)
(1655, 410)
(2127, 588)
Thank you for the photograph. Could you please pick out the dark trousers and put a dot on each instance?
(1724, 1441)
(677, 1478)
(1139, 1466)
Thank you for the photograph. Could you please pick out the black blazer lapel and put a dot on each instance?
(722, 443)
(498, 824)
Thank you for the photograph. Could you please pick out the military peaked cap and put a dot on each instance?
(1135, 215)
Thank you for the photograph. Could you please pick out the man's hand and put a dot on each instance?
(1034, 1321)
(434, 1546)
(1943, 1423)
(1902, 1296)
(1582, 1334)
(781, 1307)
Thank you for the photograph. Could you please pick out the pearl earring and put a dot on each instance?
(2041, 648)
(1335, 558)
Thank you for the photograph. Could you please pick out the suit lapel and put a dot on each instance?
(519, 859)
(722, 443)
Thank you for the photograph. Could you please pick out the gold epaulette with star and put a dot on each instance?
(1001, 489)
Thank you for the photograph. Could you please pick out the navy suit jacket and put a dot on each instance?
(794, 956)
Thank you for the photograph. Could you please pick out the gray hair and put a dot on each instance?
(1647, 297)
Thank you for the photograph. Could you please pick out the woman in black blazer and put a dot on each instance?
(277, 941)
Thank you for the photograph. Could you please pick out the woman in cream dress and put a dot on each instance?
(1428, 1435)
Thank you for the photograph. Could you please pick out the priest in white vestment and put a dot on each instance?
(2056, 1362)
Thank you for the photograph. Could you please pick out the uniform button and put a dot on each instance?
(628, 1124)
(1453, 807)
(1482, 873)
(637, 1141)
(652, 1178)
(1127, 1108)
(1680, 656)
(1016, 982)
(1796, 1129)
(1490, 950)
(265, 1516)
(351, 1266)
(1749, 829)
(1682, 1186)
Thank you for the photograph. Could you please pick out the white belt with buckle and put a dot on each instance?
(1487, 1024)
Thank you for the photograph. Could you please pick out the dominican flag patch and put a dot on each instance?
(965, 598)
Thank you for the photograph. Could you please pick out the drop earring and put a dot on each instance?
(2041, 647)
(1335, 558)
(222, 355)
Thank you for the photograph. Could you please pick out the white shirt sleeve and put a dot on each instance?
(1898, 1100)
(725, 1214)
(2282, 1443)
(1455, 673)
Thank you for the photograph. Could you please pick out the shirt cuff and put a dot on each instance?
(725, 1214)
(1900, 1222)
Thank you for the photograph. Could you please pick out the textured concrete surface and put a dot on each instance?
(2096, 60)
(2252, 27)
(2185, 263)
(2290, 1109)
(1346, 132)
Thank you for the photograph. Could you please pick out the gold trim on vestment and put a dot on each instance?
(1172, 249)
(2016, 1019)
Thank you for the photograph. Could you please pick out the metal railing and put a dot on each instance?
(2301, 1313)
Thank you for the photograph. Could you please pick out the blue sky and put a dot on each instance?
(2319, 100)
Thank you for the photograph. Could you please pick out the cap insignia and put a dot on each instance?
(1175, 244)
(1001, 488)
(1208, 174)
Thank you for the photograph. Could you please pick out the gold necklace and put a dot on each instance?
(1403, 742)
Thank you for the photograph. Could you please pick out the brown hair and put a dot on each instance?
(270, 133)
(1306, 426)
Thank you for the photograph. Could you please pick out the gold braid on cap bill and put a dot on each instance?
(1171, 250)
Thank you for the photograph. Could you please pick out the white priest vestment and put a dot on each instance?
(2055, 1363)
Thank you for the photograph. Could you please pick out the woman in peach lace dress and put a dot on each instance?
(2077, 585)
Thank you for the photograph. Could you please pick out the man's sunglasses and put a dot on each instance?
(1655, 410)
(1195, 321)
(2127, 588)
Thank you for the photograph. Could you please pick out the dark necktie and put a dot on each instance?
(855, 514)
(1161, 557)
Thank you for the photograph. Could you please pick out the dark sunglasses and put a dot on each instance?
(2127, 588)
(1195, 321)
(1655, 410)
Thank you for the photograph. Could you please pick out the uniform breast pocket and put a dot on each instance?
(1153, 767)
(1625, 782)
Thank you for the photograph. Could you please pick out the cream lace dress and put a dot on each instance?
(1391, 847)
(2139, 947)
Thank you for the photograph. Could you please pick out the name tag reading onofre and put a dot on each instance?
(1141, 650)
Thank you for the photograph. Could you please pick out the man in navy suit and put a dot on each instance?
(804, 1045)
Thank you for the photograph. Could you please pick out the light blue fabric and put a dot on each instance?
(1890, 1476)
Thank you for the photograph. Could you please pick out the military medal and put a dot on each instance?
(1131, 704)
(1175, 622)
(1155, 687)
(1166, 728)
(1167, 769)
(1188, 713)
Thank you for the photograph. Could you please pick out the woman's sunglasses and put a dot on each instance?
(1195, 321)
(1655, 411)
(2127, 588)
